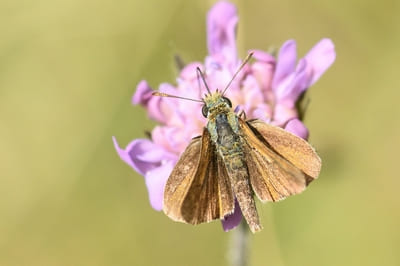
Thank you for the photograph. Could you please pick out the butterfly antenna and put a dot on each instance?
(246, 60)
(162, 94)
(198, 82)
(199, 72)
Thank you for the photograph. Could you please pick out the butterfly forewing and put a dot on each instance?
(198, 189)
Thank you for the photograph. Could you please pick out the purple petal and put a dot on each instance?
(320, 58)
(189, 72)
(154, 154)
(142, 94)
(155, 182)
(232, 220)
(263, 70)
(153, 104)
(162, 109)
(262, 56)
(131, 155)
(262, 112)
(296, 127)
(251, 93)
(290, 91)
(172, 139)
(264, 73)
(155, 109)
(283, 113)
(238, 108)
(221, 30)
(286, 62)
(219, 73)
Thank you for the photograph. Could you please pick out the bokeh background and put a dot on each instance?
(68, 69)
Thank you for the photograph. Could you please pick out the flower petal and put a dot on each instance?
(155, 154)
(251, 92)
(262, 112)
(189, 72)
(320, 58)
(262, 56)
(286, 62)
(232, 220)
(131, 155)
(155, 182)
(142, 94)
(221, 31)
(283, 113)
(290, 91)
(263, 70)
(172, 139)
(163, 109)
(296, 127)
(153, 104)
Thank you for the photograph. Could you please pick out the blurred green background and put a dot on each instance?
(68, 70)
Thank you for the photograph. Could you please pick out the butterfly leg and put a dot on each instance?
(242, 115)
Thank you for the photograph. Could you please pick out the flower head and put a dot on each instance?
(267, 89)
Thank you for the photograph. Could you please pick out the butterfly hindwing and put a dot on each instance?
(272, 175)
(180, 180)
(295, 149)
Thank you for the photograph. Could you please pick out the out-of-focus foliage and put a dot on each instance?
(68, 70)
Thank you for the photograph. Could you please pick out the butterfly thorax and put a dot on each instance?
(222, 121)
(223, 126)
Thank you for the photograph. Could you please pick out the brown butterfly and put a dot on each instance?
(232, 159)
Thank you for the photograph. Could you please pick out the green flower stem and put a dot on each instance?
(238, 252)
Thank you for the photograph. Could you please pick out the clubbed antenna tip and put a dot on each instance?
(246, 60)
(162, 94)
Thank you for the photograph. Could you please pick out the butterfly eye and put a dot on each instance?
(204, 111)
(227, 101)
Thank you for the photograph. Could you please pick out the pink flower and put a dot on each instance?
(267, 89)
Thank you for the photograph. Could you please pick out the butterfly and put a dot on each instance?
(235, 159)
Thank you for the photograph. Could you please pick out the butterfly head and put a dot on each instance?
(215, 103)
